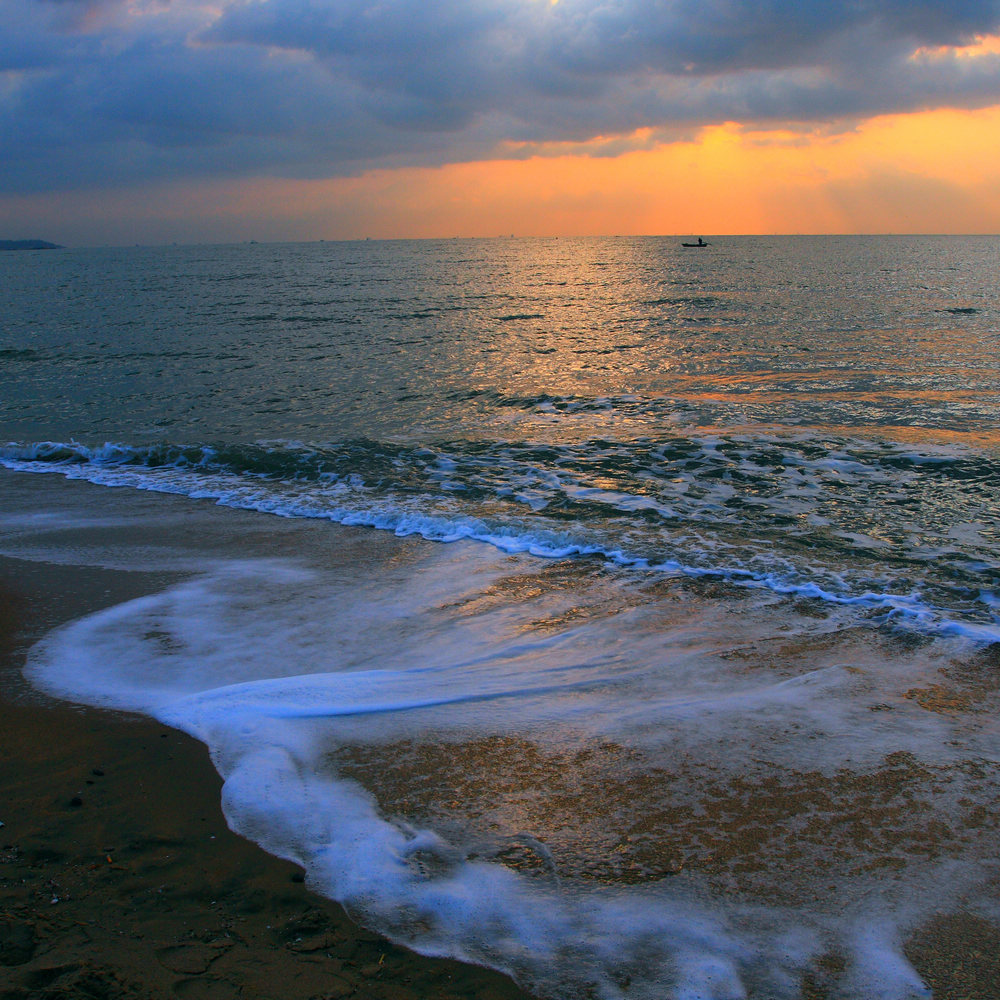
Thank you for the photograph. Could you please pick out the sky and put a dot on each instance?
(150, 121)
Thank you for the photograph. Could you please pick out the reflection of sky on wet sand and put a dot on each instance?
(602, 814)
(783, 793)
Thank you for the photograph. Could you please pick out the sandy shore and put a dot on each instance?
(119, 878)
(118, 875)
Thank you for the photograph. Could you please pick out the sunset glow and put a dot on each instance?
(272, 120)
(891, 174)
(982, 45)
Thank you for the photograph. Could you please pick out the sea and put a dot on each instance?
(621, 616)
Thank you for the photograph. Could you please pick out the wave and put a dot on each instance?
(302, 708)
(906, 535)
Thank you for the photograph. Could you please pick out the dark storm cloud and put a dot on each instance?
(103, 93)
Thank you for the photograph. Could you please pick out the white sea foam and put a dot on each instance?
(696, 549)
(275, 664)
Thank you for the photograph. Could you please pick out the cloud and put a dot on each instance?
(105, 92)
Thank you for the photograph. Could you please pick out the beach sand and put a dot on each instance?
(120, 879)
(118, 875)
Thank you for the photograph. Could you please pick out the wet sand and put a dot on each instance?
(118, 876)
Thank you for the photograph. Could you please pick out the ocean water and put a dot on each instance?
(623, 617)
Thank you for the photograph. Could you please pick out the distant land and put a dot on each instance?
(28, 245)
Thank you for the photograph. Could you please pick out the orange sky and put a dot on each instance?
(932, 172)
(928, 172)
(214, 98)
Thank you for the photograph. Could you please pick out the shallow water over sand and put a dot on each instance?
(591, 778)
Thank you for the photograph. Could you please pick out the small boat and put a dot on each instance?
(700, 243)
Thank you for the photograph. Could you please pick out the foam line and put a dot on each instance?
(196, 473)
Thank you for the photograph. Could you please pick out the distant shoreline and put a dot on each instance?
(29, 245)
